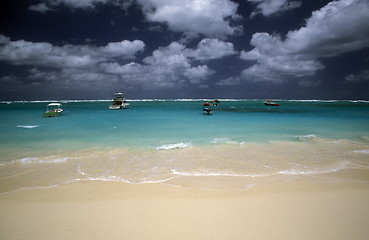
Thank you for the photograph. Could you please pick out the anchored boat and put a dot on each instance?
(118, 102)
(53, 110)
(270, 103)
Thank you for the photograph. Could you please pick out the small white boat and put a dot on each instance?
(53, 110)
(118, 102)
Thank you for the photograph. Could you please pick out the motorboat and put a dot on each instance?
(118, 102)
(207, 110)
(206, 104)
(215, 102)
(53, 110)
(270, 103)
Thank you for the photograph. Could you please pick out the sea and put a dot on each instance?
(243, 143)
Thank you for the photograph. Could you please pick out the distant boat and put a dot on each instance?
(215, 102)
(206, 104)
(118, 102)
(270, 103)
(53, 110)
(207, 110)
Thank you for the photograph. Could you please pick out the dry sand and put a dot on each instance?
(107, 210)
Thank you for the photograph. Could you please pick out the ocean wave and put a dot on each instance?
(173, 146)
(306, 137)
(312, 100)
(315, 170)
(27, 126)
(302, 170)
(205, 173)
(119, 179)
(359, 101)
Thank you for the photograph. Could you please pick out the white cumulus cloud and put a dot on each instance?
(207, 17)
(272, 7)
(196, 74)
(44, 54)
(208, 49)
(339, 27)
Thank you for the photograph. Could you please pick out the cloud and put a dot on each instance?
(358, 78)
(228, 81)
(208, 49)
(199, 73)
(171, 56)
(47, 5)
(44, 54)
(169, 66)
(82, 65)
(41, 7)
(211, 18)
(309, 83)
(337, 28)
(273, 7)
(193, 17)
(10, 82)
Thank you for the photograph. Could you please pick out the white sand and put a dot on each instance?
(107, 210)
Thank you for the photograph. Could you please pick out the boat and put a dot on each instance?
(207, 110)
(270, 103)
(215, 102)
(206, 104)
(53, 110)
(118, 102)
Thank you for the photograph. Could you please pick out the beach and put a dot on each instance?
(164, 170)
(109, 210)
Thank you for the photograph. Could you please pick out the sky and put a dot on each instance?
(169, 49)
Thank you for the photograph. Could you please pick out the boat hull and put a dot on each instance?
(271, 104)
(52, 113)
(116, 107)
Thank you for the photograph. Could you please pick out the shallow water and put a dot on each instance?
(241, 144)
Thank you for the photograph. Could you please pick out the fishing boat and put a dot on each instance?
(53, 110)
(118, 102)
(270, 103)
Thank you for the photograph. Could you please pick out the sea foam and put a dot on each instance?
(30, 160)
(173, 146)
(28, 126)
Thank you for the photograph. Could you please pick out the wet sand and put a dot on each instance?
(110, 210)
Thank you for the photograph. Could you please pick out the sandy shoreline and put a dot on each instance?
(108, 210)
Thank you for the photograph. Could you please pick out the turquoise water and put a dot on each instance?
(148, 124)
(168, 140)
